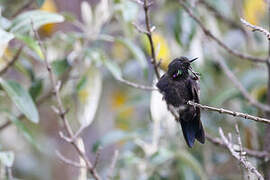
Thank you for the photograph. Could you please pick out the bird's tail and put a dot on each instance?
(192, 130)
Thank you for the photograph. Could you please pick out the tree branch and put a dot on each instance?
(62, 112)
(246, 164)
(148, 32)
(256, 28)
(252, 153)
(137, 86)
(232, 113)
(208, 33)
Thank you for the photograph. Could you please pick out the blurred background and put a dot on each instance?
(90, 44)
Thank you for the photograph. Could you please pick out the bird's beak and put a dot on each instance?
(193, 59)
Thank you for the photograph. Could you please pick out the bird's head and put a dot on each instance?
(179, 67)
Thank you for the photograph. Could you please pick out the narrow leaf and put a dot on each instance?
(31, 43)
(21, 99)
(89, 91)
(23, 23)
(113, 68)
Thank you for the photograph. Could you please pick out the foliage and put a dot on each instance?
(89, 55)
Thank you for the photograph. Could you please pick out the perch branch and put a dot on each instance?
(246, 164)
(233, 113)
(208, 33)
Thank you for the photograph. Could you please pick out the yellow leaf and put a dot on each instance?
(161, 48)
(254, 10)
(49, 6)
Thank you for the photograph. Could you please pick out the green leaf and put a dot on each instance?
(21, 98)
(40, 2)
(7, 158)
(35, 18)
(81, 84)
(135, 50)
(21, 127)
(31, 43)
(60, 66)
(113, 68)
(36, 88)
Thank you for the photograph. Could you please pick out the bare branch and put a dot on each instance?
(62, 111)
(240, 87)
(256, 28)
(233, 113)
(68, 161)
(208, 33)
(149, 29)
(138, 86)
(97, 158)
(12, 61)
(252, 153)
(246, 164)
(114, 160)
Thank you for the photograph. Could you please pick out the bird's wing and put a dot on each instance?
(195, 90)
(168, 90)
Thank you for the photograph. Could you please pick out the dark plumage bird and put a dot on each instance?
(178, 87)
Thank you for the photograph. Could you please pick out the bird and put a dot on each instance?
(178, 87)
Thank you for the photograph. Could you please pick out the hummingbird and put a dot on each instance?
(178, 87)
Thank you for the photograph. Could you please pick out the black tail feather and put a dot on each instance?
(192, 130)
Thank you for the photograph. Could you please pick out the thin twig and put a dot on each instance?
(149, 30)
(246, 164)
(256, 28)
(138, 86)
(112, 167)
(62, 112)
(233, 113)
(252, 153)
(240, 87)
(68, 161)
(208, 33)
(12, 61)
(241, 153)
